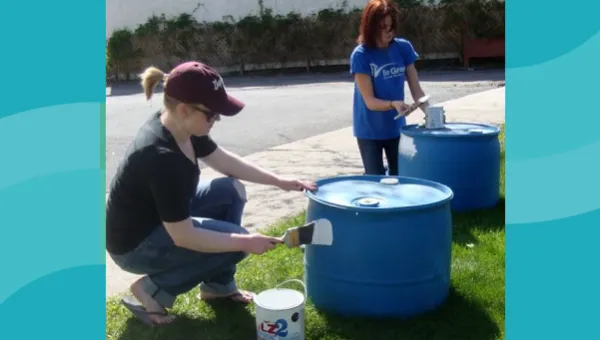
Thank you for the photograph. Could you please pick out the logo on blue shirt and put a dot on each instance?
(386, 70)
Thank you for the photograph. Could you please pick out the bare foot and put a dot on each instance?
(157, 313)
(239, 295)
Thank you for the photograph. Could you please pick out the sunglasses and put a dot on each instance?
(211, 116)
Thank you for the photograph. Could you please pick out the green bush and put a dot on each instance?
(122, 53)
(267, 38)
(476, 18)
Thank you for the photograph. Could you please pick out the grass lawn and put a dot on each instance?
(474, 310)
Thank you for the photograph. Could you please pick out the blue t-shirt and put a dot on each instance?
(387, 68)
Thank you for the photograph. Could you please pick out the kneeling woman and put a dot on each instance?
(161, 221)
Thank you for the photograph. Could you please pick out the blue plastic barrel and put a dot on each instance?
(391, 251)
(463, 156)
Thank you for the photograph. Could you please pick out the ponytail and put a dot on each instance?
(150, 78)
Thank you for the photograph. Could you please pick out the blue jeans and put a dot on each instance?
(171, 270)
(371, 152)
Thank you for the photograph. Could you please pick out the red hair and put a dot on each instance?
(372, 17)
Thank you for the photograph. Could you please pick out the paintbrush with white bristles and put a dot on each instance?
(419, 103)
(317, 232)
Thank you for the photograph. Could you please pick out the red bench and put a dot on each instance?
(482, 48)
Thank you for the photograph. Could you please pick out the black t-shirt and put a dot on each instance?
(154, 182)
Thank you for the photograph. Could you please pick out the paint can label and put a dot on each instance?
(279, 330)
(280, 314)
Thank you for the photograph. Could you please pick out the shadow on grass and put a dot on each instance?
(485, 220)
(229, 321)
(458, 318)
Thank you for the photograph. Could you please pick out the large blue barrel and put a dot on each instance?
(391, 251)
(463, 156)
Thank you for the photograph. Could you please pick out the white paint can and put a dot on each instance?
(280, 313)
(435, 117)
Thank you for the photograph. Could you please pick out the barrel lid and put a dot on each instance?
(379, 193)
(452, 130)
(279, 299)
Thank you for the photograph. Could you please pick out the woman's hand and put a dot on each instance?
(259, 244)
(401, 107)
(295, 185)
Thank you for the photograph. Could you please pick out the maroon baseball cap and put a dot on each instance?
(197, 83)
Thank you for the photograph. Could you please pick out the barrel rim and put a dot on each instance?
(402, 179)
(408, 131)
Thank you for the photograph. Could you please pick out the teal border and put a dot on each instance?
(552, 169)
(52, 125)
(52, 167)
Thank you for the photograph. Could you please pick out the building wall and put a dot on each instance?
(131, 13)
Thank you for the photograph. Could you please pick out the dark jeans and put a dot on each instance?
(371, 152)
(171, 270)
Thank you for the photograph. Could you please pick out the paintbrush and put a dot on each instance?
(414, 106)
(317, 232)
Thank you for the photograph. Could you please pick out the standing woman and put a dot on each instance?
(380, 65)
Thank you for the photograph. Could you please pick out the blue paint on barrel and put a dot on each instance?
(463, 156)
(392, 245)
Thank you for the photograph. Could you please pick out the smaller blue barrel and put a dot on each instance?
(463, 156)
(392, 245)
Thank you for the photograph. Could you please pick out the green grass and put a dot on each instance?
(474, 309)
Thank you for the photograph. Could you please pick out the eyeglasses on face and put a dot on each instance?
(210, 115)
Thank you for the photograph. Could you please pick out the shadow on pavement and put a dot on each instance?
(277, 80)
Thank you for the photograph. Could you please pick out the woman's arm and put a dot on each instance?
(170, 191)
(230, 164)
(365, 86)
(233, 165)
(185, 235)
(360, 68)
(413, 82)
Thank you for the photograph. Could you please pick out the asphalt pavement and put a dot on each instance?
(279, 109)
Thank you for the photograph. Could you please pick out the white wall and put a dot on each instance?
(131, 13)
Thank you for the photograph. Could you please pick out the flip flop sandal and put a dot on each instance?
(231, 297)
(140, 312)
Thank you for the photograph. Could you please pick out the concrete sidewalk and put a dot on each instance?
(330, 154)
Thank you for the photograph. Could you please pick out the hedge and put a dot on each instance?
(329, 34)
